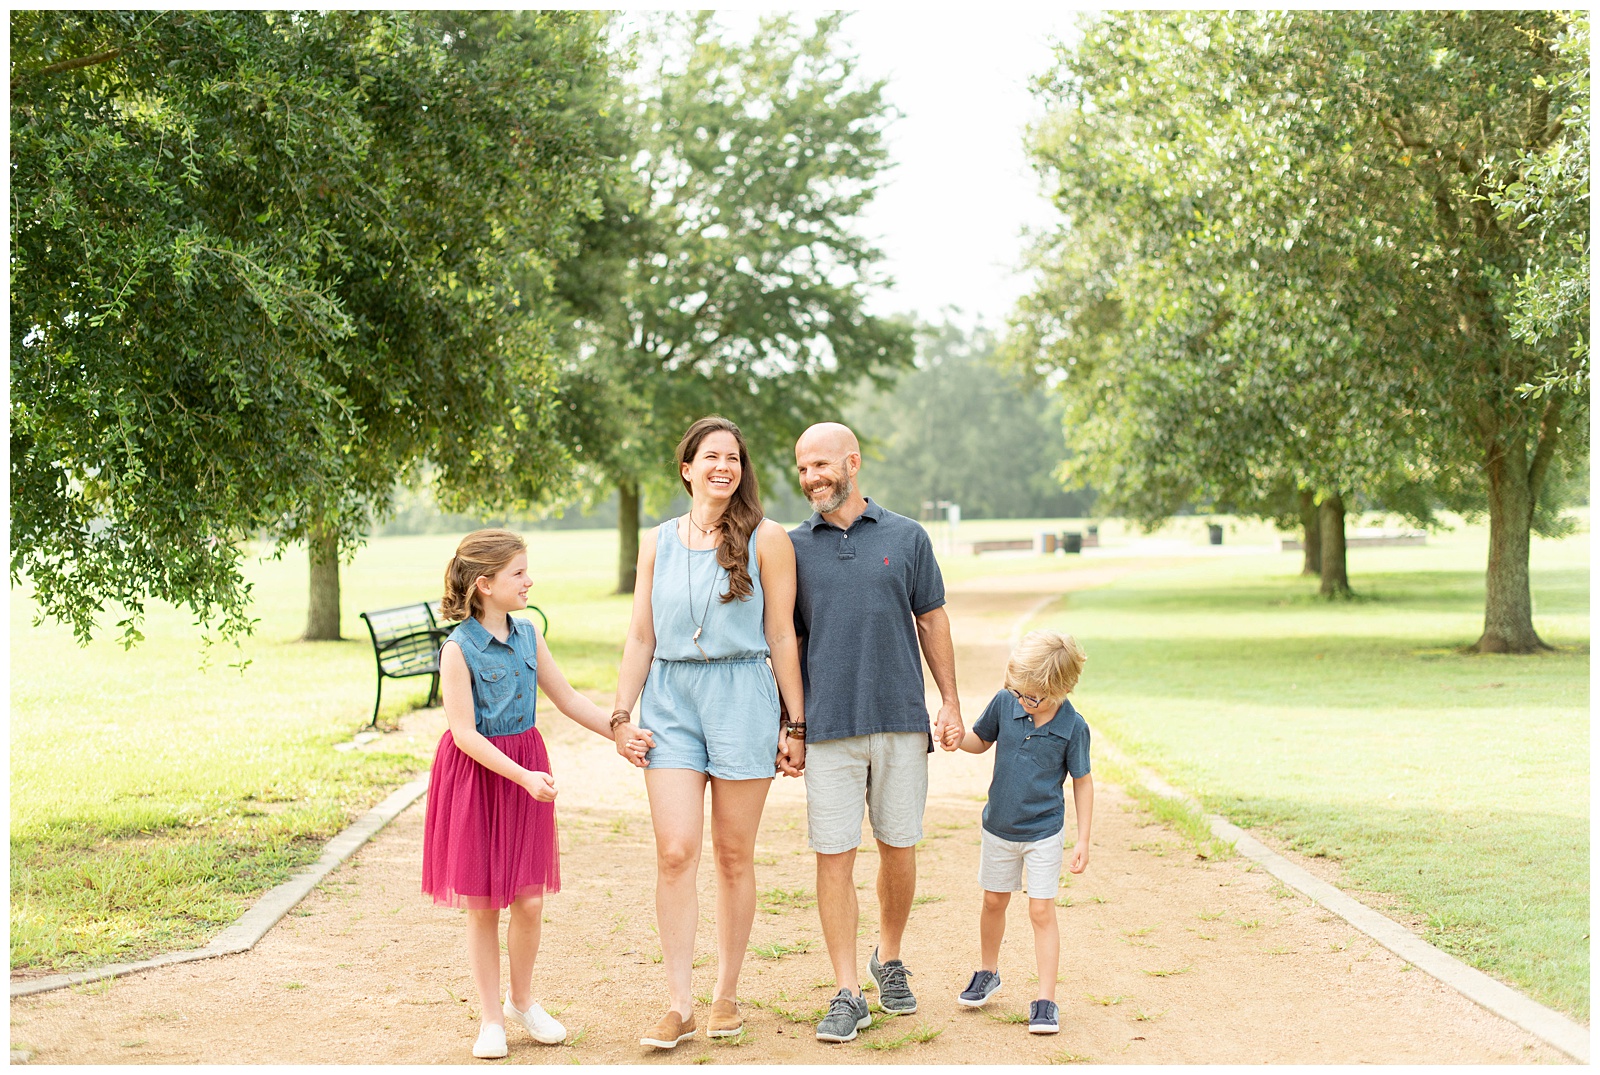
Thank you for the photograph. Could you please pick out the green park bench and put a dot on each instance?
(406, 641)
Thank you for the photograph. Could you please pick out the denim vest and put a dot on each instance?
(505, 675)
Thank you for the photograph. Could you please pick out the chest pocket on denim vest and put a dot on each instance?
(1047, 752)
(494, 684)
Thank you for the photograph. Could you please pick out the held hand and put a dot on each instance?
(791, 755)
(948, 730)
(634, 743)
(542, 786)
(1079, 858)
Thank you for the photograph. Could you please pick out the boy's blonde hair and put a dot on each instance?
(1046, 663)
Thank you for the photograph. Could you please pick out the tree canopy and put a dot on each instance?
(262, 263)
(1279, 261)
(725, 275)
(960, 427)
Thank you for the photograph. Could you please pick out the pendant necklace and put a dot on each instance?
(705, 613)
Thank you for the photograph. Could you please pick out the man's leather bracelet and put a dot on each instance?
(620, 716)
(796, 729)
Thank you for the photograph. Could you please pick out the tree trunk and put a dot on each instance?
(628, 535)
(322, 619)
(1513, 491)
(1311, 528)
(1335, 578)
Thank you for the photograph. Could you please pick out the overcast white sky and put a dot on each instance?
(950, 214)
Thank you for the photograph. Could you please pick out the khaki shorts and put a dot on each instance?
(1001, 864)
(883, 775)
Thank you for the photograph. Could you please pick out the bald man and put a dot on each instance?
(869, 592)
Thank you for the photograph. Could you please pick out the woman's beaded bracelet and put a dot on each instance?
(620, 716)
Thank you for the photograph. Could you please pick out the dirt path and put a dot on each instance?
(1166, 958)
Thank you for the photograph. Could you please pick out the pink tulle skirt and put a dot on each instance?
(487, 842)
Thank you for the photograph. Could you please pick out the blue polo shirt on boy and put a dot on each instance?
(1031, 765)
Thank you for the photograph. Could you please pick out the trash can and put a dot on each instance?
(1072, 541)
(1216, 533)
(1091, 539)
(1048, 543)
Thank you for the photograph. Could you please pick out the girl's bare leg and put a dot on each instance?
(483, 956)
(522, 948)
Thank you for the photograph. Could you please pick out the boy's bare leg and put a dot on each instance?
(897, 886)
(992, 928)
(1046, 945)
(840, 914)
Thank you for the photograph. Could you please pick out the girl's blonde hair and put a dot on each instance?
(482, 552)
(1046, 663)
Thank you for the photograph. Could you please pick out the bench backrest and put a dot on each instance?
(406, 638)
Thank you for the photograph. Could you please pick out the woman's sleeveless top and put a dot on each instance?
(684, 579)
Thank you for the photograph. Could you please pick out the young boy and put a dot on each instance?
(1042, 741)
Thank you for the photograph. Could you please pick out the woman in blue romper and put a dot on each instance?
(714, 602)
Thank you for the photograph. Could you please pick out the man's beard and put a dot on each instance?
(841, 493)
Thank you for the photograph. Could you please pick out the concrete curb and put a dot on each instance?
(251, 926)
(1546, 1024)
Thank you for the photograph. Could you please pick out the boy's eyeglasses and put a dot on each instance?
(1025, 699)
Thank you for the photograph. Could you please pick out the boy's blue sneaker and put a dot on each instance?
(1043, 1017)
(980, 989)
(894, 994)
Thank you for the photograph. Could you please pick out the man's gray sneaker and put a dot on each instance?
(893, 993)
(847, 1013)
(1043, 1017)
(980, 989)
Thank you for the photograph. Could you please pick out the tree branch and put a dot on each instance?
(1549, 433)
(69, 65)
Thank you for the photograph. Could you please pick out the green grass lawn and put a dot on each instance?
(1359, 731)
(152, 798)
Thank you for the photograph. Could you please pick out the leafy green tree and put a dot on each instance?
(960, 427)
(1313, 252)
(724, 276)
(259, 268)
(481, 161)
(1547, 192)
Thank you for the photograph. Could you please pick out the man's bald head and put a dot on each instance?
(828, 457)
(832, 439)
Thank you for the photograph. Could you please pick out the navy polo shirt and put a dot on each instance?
(858, 594)
(1031, 765)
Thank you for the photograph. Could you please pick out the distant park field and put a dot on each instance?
(152, 798)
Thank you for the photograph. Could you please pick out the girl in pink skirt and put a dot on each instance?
(490, 840)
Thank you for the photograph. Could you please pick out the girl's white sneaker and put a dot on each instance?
(491, 1043)
(545, 1030)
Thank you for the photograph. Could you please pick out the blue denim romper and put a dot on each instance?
(505, 675)
(716, 713)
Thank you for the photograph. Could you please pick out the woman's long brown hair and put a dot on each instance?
(743, 514)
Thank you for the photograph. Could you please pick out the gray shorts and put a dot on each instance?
(1001, 864)
(884, 775)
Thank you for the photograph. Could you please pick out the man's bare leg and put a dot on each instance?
(897, 886)
(841, 915)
